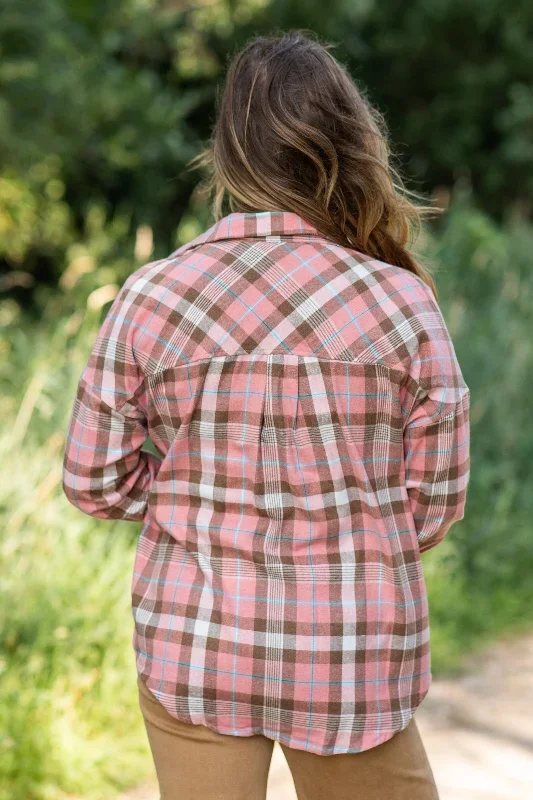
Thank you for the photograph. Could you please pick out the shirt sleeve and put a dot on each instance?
(436, 432)
(106, 474)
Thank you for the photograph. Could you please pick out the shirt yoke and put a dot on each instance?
(287, 295)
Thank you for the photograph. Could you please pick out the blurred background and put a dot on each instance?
(102, 104)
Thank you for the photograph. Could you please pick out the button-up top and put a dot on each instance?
(312, 424)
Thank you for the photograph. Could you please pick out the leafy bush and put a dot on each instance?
(102, 104)
(480, 582)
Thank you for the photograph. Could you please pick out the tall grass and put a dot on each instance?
(479, 579)
(69, 720)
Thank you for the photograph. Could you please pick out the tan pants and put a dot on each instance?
(195, 763)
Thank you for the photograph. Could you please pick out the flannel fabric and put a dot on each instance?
(312, 425)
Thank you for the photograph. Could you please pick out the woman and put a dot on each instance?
(293, 369)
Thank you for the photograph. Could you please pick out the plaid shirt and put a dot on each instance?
(312, 422)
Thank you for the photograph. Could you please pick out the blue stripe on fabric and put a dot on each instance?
(281, 537)
(313, 600)
(238, 530)
(172, 615)
(99, 449)
(285, 680)
(289, 601)
(218, 457)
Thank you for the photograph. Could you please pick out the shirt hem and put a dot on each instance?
(288, 741)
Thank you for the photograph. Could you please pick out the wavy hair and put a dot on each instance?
(293, 132)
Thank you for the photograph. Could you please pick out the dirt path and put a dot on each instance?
(478, 731)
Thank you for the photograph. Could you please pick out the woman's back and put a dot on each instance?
(313, 425)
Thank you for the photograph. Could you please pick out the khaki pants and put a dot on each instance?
(195, 763)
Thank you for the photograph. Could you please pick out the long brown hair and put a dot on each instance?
(294, 133)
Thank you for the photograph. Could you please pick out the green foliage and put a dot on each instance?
(483, 583)
(69, 720)
(103, 104)
(454, 79)
(100, 107)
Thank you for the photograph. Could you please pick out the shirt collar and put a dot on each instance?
(259, 224)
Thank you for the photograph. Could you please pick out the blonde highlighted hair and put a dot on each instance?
(294, 133)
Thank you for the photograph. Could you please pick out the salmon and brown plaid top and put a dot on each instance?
(312, 425)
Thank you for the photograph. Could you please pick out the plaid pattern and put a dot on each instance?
(312, 422)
